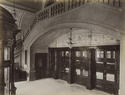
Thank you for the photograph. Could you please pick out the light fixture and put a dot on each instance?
(70, 42)
(90, 38)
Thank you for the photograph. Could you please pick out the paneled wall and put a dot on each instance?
(96, 67)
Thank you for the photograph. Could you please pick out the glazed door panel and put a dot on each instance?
(63, 64)
(107, 68)
(81, 65)
(59, 63)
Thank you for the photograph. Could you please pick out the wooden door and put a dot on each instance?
(40, 65)
(107, 68)
(63, 63)
(73, 65)
(80, 61)
(51, 64)
(59, 63)
(83, 59)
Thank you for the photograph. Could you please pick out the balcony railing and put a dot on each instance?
(65, 5)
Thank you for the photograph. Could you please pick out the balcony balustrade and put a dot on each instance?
(66, 5)
(63, 6)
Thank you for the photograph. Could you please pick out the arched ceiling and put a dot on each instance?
(81, 37)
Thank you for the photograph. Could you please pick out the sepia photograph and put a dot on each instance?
(62, 47)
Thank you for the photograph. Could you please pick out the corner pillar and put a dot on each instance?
(122, 66)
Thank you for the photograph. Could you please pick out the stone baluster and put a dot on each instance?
(79, 3)
(49, 12)
(44, 14)
(69, 4)
(83, 1)
(110, 2)
(117, 3)
(73, 4)
(59, 8)
(114, 2)
(56, 9)
(65, 5)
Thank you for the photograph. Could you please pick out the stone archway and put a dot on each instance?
(45, 41)
(83, 17)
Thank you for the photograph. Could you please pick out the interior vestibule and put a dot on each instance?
(92, 61)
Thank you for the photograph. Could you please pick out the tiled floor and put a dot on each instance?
(53, 87)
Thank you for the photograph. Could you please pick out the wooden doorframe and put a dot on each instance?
(92, 69)
(107, 68)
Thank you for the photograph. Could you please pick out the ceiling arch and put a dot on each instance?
(79, 19)
(59, 38)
